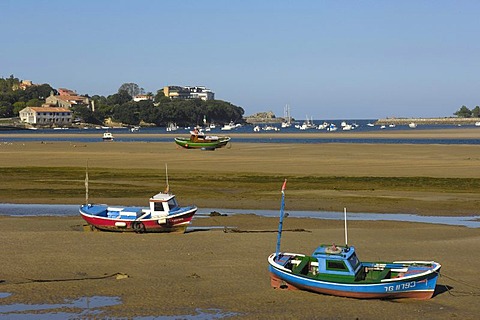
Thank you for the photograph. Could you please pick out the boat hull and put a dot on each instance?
(173, 223)
(421, 286)
(188, 144)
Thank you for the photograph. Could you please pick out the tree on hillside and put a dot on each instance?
(119, 98)
(131, 88)
(6, 109)
(127, 113)
(476, 112)
(86, 114)
(463, 112)
(39, 92)
(18, 106)
(9, 84)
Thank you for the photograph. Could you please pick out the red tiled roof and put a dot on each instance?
(49, 109)
(70, 98)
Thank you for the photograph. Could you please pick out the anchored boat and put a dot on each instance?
(107, 136)
(336, 270)
(198, 140)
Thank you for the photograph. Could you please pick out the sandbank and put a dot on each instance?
(438, 179)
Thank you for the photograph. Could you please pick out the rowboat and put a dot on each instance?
(336, 270)
(198, 140)
(162, 215)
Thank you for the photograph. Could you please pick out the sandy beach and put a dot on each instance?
(222, 273)
(217, 274)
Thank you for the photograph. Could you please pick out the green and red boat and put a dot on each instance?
(199, 140)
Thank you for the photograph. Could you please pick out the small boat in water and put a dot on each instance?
(163, 215)
(107, 136)
(198, 140)
(336, 270)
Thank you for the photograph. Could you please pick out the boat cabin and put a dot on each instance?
(199, 136)
(340, 263)
(336, 260)
(161, 204)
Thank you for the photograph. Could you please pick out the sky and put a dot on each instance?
(324, 59)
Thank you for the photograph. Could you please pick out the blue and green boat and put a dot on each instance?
(336, 270)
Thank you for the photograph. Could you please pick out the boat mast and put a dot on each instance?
(86, 184)
(167, 188)
(287, 113)
(346, 235)
(280, 224)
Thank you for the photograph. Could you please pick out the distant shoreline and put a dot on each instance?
(406, 121)
(253, 121)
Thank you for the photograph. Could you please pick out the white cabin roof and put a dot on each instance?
(162, 197)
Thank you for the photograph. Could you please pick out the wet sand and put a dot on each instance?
(269, 162)
(204, 271)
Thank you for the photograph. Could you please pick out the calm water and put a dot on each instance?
(153, 134)
(25, 210)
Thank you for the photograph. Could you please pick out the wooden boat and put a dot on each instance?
(336, 270)
(107, 136)
(163, 215)
(198, 140)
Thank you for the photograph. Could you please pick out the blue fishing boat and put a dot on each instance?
(336, 270)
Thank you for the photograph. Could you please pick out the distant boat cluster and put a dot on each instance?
(308, 125)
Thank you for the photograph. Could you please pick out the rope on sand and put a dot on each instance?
(235, 230)
(460, 293)
(117, 276)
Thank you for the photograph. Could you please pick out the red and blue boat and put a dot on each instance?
(336, 270)
(163, 215)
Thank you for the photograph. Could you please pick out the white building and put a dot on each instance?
(53, 116)
(198, 92)
(141, 97)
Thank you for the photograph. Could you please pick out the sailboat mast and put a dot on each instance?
(280, 224)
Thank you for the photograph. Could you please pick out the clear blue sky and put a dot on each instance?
(326, 59)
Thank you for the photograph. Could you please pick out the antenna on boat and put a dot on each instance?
(86, 183)
(167, 188)
(280, 224)
(346, 235)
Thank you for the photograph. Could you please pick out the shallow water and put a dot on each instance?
(23, 210)
(89, 308)
(158, 134)
(468, 221)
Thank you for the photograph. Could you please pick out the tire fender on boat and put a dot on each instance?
(138, 226)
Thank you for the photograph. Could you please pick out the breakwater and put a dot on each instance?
(420, 121)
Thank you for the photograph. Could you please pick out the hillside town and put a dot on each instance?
(27, 104)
